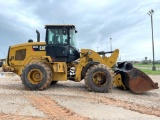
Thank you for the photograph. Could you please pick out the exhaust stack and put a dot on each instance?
(38, 36)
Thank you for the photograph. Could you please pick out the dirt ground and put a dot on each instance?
(72, 101)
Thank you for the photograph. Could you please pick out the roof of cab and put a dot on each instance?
(59, 26)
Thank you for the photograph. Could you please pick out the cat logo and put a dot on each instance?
(39, 48)
(42, 47)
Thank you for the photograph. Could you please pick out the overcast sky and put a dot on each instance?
(125, 21)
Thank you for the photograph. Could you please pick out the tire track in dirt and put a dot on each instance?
(131, 106)
(53, 109)
(118, 103)
(4, 116)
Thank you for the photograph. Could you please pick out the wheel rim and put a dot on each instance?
(99, 79)
(35, 76)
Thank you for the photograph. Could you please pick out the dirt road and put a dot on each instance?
(72, 101)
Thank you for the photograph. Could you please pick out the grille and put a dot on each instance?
(20, 54)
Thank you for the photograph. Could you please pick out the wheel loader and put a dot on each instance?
(40, 64)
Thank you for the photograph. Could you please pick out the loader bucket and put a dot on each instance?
(137, 81)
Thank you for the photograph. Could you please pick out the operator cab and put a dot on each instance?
(61, 43)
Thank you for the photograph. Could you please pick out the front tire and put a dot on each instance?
(99, 78)
(36, 76)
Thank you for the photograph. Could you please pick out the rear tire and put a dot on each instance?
(36, 76)
(99, 78)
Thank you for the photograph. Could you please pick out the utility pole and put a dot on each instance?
(111, 43)
(151, 12)
(4, 55)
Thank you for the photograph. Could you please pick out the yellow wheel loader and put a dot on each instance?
(40, 64)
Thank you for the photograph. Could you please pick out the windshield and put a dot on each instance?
(61, 37)
(55, 36)
(72, 38)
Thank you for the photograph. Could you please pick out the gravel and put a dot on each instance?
(77, 100)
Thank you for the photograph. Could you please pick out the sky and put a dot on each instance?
(126, 22)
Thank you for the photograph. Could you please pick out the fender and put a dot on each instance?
(84, 70)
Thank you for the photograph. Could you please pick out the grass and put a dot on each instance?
(147, 68)
(150, 72)
(146, 65)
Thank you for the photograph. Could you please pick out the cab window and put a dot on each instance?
(55, 36)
